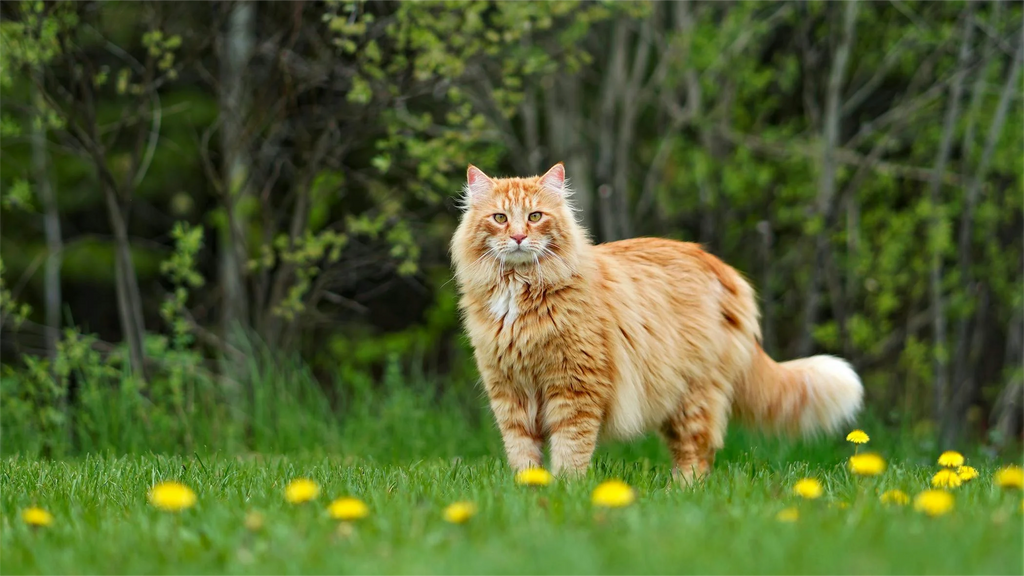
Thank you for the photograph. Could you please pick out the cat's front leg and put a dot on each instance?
(515, 411)
(573, 421)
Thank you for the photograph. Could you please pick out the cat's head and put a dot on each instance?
(516, 222)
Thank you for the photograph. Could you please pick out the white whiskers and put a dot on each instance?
(549, 252)
(488, 252)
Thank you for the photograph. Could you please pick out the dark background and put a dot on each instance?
(214, 213)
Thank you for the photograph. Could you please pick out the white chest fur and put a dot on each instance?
(505, 301)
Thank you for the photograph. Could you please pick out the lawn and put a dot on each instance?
(242, 523)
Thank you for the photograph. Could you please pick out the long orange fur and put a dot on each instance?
(575, 341)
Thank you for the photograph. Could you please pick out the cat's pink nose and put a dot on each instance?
(519, 238)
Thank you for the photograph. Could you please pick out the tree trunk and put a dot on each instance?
(852, 252)
(827, 179)
(965, 387)
(940, 361)
(237, 44)
(764, 228)
(1007, 411)
(51, 225)
(628, 110)
(531, 129)
(615, 78)
(129, 301)
(565, 124)
(964, 260)
(682, 19)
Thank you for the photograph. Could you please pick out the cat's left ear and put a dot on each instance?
(554, 179)
(478, 184)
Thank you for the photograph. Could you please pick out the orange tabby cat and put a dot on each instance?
(573, 340)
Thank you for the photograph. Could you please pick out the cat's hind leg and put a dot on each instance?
(696, 431)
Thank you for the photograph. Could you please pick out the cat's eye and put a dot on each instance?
(500, 218)
(535, 216)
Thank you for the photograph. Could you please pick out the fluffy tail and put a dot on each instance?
(805, 396)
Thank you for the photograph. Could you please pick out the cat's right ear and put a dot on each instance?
(478, 185)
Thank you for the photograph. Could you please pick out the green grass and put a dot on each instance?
(103, 523)
(409, 446)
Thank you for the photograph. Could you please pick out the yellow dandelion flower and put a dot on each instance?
(967, 473)
(867, 464)
(459, 512)
(951, 459)
(946, 478)
(897, 497)
(1010, 477)
(790, 514)
(808, 488)
(613, 494)
(172, 496)
(348, 509)
(857, 437)
(301, 490)
(533, 477)
(35, 516)
(933, 502)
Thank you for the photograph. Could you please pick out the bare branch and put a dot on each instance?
(154, 137)
(869, 87)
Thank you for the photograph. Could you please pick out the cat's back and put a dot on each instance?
(657, 257)
(648, 249)
(668, 278)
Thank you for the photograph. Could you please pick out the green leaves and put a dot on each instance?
(17, 196)
(33, 40)
(180, 269)
(308, 256)
(10, 310)
(360, 93)
(159, 45)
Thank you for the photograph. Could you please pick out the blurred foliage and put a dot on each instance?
(329, 166)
